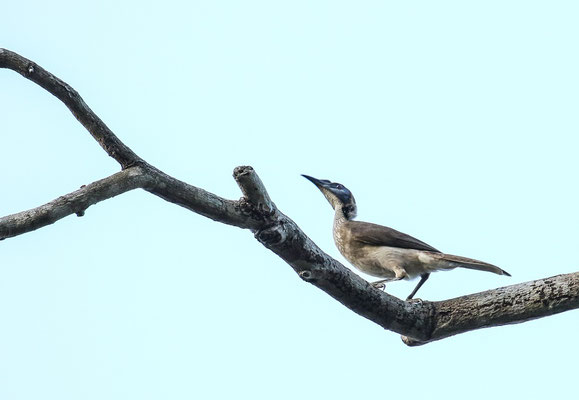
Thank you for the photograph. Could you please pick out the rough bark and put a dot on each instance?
(418, 322)
(73, 203)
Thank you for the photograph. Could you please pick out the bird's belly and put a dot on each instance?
(383, 262)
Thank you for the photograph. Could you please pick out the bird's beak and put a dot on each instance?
(325, 187)
(320, 184)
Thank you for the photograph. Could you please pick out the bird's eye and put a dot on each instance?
(338, 186)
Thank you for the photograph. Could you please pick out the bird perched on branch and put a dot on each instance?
(384, 252)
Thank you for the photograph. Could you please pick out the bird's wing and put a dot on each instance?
(378, 235)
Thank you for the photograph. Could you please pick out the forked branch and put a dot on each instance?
(419, 323)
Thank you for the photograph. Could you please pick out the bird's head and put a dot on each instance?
(337, 195)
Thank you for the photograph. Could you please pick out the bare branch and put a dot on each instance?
(73, 203)
(507, 305)
(162, 185)
(199, 200)
(419, 322)
(96, 127)
(253, 189)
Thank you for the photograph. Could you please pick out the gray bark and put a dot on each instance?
(73, 203)
(419, 323)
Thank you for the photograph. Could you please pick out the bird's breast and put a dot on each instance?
(359, 255)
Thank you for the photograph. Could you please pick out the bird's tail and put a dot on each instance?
(464, 262)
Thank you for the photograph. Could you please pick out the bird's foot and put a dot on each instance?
(415, 301)
(380, 285)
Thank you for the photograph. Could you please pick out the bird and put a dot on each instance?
(384, 252)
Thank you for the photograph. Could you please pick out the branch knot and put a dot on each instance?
(271, 236)
(305, 275)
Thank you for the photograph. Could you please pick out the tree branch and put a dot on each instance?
(419, 322)
(198, 200)
(73, 203)
(162, 185)
(507, 305)
(96, 127)
(253, 189)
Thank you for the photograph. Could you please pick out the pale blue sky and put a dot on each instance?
(453, 121)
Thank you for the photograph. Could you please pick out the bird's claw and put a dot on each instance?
(415, 301)
(378, 285)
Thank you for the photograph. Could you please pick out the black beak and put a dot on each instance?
(318, 182)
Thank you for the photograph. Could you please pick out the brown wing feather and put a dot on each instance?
(379, 235)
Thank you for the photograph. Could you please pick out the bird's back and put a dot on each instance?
(378, 250)
(378, 235)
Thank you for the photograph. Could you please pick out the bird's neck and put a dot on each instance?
(339, 217)
(338, 231)
(347, 212)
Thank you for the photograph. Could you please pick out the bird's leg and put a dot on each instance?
(423, 279)
(400, 274)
